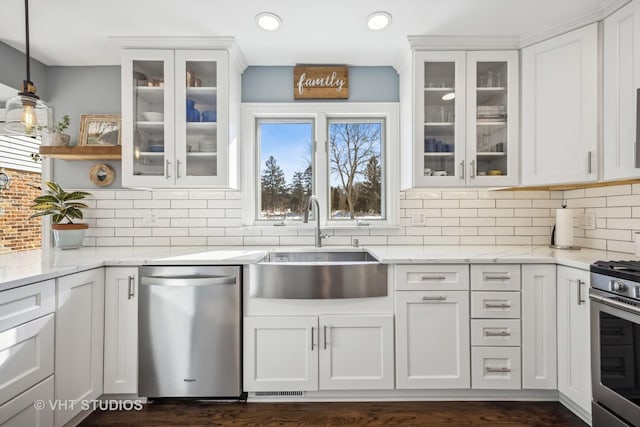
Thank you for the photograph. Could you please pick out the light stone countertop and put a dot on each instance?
(20, 268)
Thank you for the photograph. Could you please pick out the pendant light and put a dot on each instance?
(26, 114)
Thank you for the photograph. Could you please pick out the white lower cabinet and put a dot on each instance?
(574, 344)
(539, 351)
(21, 410)
(432, 342)
(308, 353)
(79, 340)
(121, 330)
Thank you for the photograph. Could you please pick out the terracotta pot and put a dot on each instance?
(69, 236)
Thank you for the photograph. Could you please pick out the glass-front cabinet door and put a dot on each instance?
(174, 118)
(440, 118)
(466, 118)
(147, 117)
(492, 105)
(200, 117)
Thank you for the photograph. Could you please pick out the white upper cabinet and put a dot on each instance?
(560, 109)
(621, 80)
(465, 118)
(180, 118)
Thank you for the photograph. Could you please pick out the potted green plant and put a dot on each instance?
(63, 205)
(56, 135)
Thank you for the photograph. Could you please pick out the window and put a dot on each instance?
(285, 167)
(355, 169)
(341, 153)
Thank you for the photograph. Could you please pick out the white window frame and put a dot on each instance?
(319, 113)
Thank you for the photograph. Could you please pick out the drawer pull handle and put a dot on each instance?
(312, 336)
(132, 287)
(490, 369)
(434, 277)
(506, 277)
(497, 334)
(434, 298)
(497, 305)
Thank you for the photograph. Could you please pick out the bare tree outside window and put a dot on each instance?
(354, 163)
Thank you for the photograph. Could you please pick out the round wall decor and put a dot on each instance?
(102, 175)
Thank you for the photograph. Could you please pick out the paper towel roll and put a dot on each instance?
(564, 227)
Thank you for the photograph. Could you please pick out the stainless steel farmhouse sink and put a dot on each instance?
(319, 275)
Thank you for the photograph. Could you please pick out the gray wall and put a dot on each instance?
(275, 84)
(13, 70)
(76, 91)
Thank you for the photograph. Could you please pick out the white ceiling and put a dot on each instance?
(77, 32)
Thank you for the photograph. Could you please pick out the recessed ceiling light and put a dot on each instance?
(448, 96)
(378, 20)
(268, 21)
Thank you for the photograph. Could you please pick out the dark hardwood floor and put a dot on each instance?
(451, 414)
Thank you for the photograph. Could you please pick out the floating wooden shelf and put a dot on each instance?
(110, 152)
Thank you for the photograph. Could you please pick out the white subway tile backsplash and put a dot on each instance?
(460, 213)
(439, 204)
(423, 231)
(442, 240)
(406, 240)
(188, 222)
(168, 232)
(445, 222)
(477, 222)
(633, 200)
(153, 204)
(459, 231)
(513, 222)
(513, 240)
(133, 194)
(262, 241)
(485, 204)
(516, 203)
(618, 246)
(495, 213)
(134, 232)
(451, 217)
(152, 241)
(224, 241)
(477, 240)
(616, 190)
(410, 204)
(188, 204)
(188, 241)
(170, 195)
(114, 204)
(459, 195)
(495, 231)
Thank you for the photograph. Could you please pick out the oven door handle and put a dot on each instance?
(615, 304)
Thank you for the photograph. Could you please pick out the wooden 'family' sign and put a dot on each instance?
(320, 82)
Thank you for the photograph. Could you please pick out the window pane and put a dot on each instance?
(285, 167)
(355, 159)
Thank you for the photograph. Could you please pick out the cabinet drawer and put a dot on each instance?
(495, 368)
(451, 277)
(495, 332)
(495, 305)
(20, 305)
(495, 277)
(20, 411)
(28, 349)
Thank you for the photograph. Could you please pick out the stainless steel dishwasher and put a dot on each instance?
(189, 332)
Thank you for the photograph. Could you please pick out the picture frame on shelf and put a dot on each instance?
(100, 129)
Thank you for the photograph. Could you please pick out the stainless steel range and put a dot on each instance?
(615, 343)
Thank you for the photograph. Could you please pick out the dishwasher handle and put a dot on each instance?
(188, 281)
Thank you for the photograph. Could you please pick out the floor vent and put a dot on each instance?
(279, 393)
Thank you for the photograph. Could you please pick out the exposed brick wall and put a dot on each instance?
(18, 232)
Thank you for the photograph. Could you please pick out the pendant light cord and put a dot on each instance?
(26, 18)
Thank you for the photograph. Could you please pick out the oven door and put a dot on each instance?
(615, 355)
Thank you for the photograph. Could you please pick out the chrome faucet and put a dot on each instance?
(307, 207)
